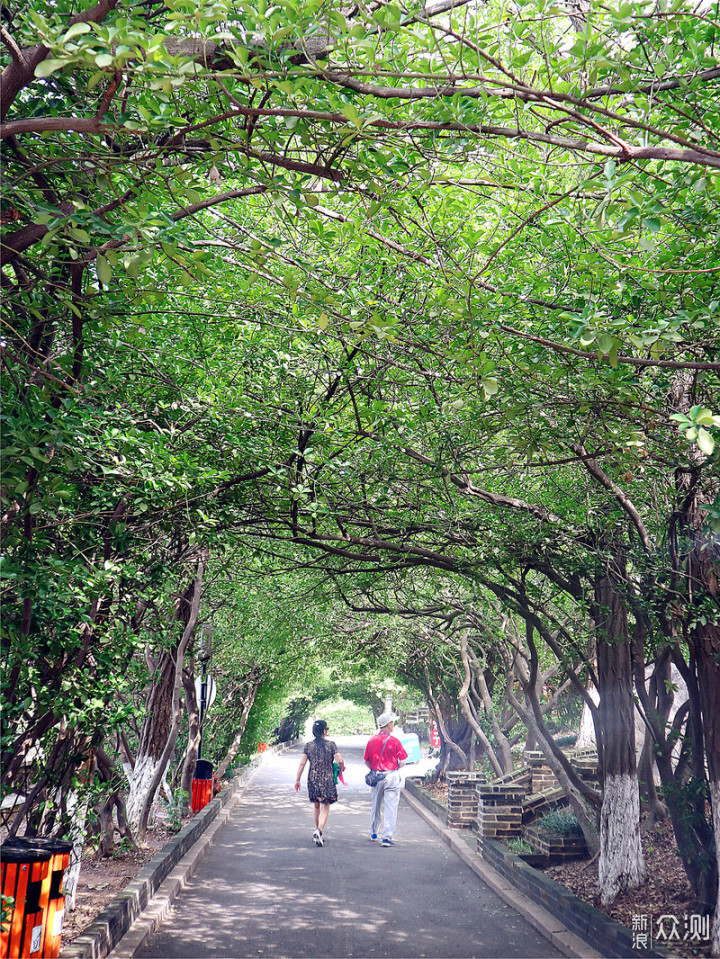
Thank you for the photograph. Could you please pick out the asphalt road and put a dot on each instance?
(266, 891)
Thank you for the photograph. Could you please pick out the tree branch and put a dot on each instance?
(21, 72)
(465, 486)
(632, 360)
(601, 476)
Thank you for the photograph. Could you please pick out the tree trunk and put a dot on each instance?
(188, 612)
(193, 714)
(253, 684)
(659, 702)
(76, 805)
(448, 746)
(586, 736)
(583, 800)
(706, 646)
(153, 737)
(697, 545)
(715, 811)
(621, 865)
(578, 803)
(468, 711)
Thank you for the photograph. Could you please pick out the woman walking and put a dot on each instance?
(322, 789)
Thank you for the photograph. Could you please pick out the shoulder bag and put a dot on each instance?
(375, 776)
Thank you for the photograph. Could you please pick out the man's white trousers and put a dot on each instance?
(385, 799)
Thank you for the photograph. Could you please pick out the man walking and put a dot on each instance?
(385, 753)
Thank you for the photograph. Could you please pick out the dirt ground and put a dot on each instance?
(666, 892)
(102, 879)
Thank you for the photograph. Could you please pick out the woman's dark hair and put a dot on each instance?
(319, 727)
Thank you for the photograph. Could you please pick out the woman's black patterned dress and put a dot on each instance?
(321, 784)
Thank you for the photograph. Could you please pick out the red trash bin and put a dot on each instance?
(202, 785)
(59, 850)
(26, 877)
(434, 737)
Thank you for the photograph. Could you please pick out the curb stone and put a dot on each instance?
(566, 942)
(423, 796)
(596, 925)
(138, 909)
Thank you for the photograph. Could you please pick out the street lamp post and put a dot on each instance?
(206, 684)
(205, 689)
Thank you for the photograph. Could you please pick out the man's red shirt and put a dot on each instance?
(394, 752)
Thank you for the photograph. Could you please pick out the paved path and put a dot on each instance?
(266, 891)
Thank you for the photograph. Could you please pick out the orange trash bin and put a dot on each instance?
(26, 879)
(59, 850)
(202, 785)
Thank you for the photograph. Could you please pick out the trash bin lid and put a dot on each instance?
(52, 845)
(203, 769)
(19, 850)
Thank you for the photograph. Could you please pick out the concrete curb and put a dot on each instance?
(136, 912)
(423, 796)
(159, 907)
(557, 933)
(528, 890)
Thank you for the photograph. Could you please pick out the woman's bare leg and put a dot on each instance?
(323, 815)
(316, 813)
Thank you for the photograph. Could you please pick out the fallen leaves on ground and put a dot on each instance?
(102, 879)
(666, 892)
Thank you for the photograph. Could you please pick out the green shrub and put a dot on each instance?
(567, 739)
(520, 846)
(346, 718)
(7, 905)
(560, 822)
(176, 809)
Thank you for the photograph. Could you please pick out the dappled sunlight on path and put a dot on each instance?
(265, 889)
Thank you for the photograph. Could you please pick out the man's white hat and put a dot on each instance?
(385, 718)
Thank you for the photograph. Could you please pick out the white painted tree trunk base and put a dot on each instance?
(586, 735)
(622, 864)
(715, 806)
(77, 807)
(140, 781)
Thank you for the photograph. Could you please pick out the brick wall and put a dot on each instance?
(558, 847)
(538, 804)
(518, 777)
(423, 796)
(499, 812)
(463, 799)
(541, 776)
(611, 939)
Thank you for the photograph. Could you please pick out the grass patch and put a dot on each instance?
(560, 822)
(521, 847)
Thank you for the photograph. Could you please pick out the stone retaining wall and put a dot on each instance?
(462, 811)
(499, 812)
(611, 939)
